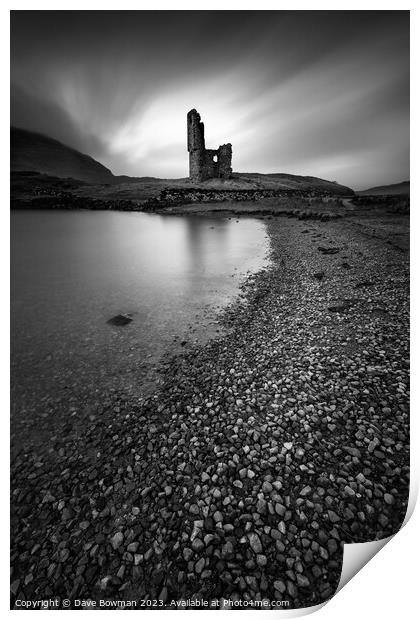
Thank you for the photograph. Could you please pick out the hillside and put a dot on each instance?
(30, 151)
(281, 180)
(387, 190)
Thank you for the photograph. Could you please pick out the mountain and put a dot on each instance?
(387, 190)
(30, 151)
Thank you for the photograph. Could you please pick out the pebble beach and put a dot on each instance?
(259, 453)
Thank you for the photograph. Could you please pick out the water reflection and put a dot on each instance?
(199, 240)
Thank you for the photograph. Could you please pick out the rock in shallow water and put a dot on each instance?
(120, 319)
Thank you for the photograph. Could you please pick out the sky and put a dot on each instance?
(320, 93)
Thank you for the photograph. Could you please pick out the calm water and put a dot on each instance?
(72, 271)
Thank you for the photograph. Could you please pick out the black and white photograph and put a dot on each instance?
(209, 304)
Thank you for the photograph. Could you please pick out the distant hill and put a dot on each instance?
(34, 152)
(387, 190)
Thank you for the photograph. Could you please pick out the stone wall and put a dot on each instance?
(206, 163)
(224, 155)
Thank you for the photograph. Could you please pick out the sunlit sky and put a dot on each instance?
(322, 93)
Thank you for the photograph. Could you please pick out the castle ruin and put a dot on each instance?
(206, 163)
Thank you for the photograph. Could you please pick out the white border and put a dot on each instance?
(387, 586)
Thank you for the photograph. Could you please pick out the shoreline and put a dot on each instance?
(260, 453)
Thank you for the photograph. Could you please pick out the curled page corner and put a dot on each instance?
(357, 555)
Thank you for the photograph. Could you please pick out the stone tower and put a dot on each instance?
(206, 163)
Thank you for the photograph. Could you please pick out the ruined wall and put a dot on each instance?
(224, 156)
(196, 144)
(210, 164)
(206, 163)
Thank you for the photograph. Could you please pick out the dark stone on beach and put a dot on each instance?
(120, 319)
(197, 545)
(163, 594)
(280, 586)
(379, 311)
(333, 516)
(302, 581)
(117, 539)
(15, 586)
(328, 250)
(319, 275)
(227, 550)
(67, 514)
(339, 307)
